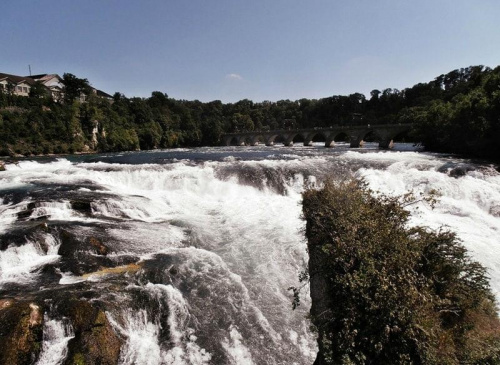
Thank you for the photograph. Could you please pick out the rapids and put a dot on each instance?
(204, 243)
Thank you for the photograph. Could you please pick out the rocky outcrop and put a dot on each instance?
(21, 332)
(79, 254)
(383, 293)
(99, 247)
(82, 206)
(95, 341)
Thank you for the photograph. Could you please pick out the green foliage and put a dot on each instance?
(457, 112)
(74, 87)
(38, 90)
(384, 293)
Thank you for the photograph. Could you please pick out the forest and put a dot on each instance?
(457, 112)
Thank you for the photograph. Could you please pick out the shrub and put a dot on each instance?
(383, 293)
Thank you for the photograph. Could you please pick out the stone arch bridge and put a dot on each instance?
(384, 133)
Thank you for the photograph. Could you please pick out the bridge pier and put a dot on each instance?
(356, 142)
(386, 144)
(330, 141)
(288, 142)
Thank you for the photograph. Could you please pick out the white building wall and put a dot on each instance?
(22, 89)
(53, 81)
(3, 85)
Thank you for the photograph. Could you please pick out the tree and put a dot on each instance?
(241, 122)
(38, 90)
(74, 87)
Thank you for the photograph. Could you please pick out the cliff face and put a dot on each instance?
(321, 301)
(315, 207)
(383, 293)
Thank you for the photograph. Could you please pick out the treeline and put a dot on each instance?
(456, 112)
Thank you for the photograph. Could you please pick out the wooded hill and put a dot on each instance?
(456, 112)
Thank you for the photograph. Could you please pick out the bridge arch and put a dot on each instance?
(337, 136)
(296, 138)
(233, 141)
(366, 135)
(384, 134)
(255, 140)
(403, 136)
(269, 140)
(316, 136)
(342, 137)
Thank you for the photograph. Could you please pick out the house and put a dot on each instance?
(21, 85)
(102, 94)
(17, 85)
(53, 83)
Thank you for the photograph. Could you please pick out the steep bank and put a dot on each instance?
(385, 293)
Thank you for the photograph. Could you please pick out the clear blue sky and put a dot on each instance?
(255, 49)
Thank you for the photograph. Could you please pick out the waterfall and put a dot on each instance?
(204, 243)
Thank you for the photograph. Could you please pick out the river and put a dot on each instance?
(203, 244)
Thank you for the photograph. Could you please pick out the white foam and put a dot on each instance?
(8, 214)
(20, 264)
(142, 331)
(237, 352)
(58, 210)
(141, 346)
(56, 335)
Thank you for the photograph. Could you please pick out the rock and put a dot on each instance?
(34, 232)
(6, 303)
(78, 254)
(495, 211)
(82, 206)
(100, 248)
(21, 332)
(456, 170)
(125, 269)
(460, 171)
(2, 166)
(95, 340)
(44, 227)
(26, 213)
(173, 270)
(36, 317)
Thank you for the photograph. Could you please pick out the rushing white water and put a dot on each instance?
(468, 205)
(20, 264)
(142, 332)
(56, 335)
(221, 240)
